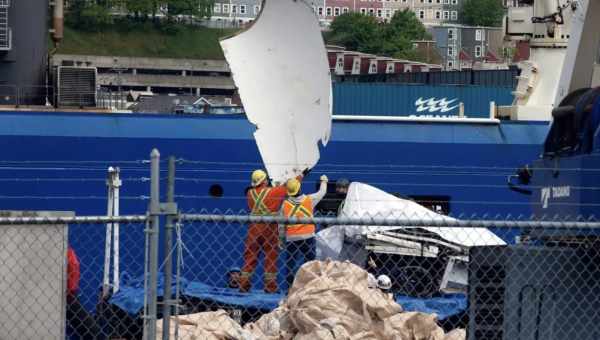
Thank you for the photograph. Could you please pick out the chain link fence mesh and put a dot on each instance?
(538, 280)
(419, 276)
(53, 276)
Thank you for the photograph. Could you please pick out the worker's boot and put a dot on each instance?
(245, 282)
(271, 283)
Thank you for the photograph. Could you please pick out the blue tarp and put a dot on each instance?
(444, 306)
(130, 298)
(228, 296)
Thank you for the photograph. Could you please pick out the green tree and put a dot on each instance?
(482, 12)
(356, 32)
(406, 24)
(140, 8)
(363, 33)
(196, 8)
(89, 15)
(398, 35)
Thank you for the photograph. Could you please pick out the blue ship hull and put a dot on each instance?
(58, 161)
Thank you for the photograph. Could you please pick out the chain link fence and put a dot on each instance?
(374, 273)
(54, 283)
(382, 267)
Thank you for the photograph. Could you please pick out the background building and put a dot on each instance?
(465, 47)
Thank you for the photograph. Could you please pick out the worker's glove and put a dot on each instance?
(324, 178)
(281, 242)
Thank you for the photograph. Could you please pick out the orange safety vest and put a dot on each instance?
(303, 209)
(260, 209)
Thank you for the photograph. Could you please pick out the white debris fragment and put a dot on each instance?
(281, 69)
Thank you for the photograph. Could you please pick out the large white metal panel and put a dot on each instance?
(32, 279)
(281, 69)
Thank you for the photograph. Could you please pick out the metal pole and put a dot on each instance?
(167, 300)
(150, 331)
(116, 260)
(107, 240)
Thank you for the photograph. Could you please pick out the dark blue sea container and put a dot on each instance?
(384, 99)
(501, 78)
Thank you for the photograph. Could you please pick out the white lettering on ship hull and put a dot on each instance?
(432, 105)
(549, 193)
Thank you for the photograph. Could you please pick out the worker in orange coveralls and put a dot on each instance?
(82, 323)
(263, 200)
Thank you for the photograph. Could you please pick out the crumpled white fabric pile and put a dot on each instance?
(328, 300)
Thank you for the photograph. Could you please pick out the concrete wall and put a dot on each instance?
(33, 285)
(151, 80)
(154, 72)
(142, 63)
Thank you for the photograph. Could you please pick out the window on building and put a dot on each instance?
(438, 14)
(477, 51)
(430, 1)
(328, 11)
(320, 11)
(225, 8)
(421, 14)
(454, 15)
(438, 1)
(446, 2)
(451, 34)
(450, 64)
(478, 35)
(363, 11)
(373, 68)
(242, 9)
(455, 2)
(446, 15)
(372, 12)
(379, 13)
(233, 9)
(217, 8)
(345, 10)
(450, 51)
(336, 11)
(388, 13)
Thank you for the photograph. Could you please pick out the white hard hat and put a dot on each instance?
(371, 281)
(384, 282)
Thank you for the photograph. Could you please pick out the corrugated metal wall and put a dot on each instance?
(503, 78)
(423, 100)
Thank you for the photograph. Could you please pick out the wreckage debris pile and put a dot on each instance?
(328, 300)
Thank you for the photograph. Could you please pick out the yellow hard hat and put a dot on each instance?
(258, 176)
(293, 186)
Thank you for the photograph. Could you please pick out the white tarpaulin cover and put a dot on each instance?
(281, 69)
(366, 201)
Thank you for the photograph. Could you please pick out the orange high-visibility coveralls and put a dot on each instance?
(262, 201)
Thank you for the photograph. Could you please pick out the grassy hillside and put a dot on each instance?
(146, 40)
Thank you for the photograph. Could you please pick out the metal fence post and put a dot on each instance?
(167, 300)
(150, 331)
